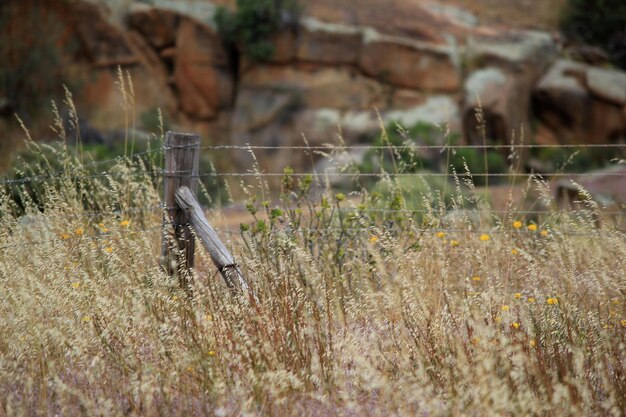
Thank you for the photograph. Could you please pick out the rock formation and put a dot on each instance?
(338, 69)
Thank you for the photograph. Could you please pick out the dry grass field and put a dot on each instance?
(365, 307)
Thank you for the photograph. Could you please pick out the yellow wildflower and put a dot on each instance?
(498, 319)
(552, 301)
(440, 235)
(125, 223)
(79, 231)
(532, 227)
(513, 251)
(86, 319)
(515, 325)
(374, 239)
(108, 249)
(544, 233)
(505, 308)
(517, 295)
(76, 285)
(517, 224)
(531, 299)
(102, 227)
(65, 236)
(476, 278)
(211, 353)
(485, 237)
(454, 243)
(532, 343)
(623, 323)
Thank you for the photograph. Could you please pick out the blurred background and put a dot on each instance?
(270, 72)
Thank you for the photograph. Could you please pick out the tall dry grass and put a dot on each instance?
(365, 307)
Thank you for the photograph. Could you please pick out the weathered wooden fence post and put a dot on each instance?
(220, 255)
(182, 153)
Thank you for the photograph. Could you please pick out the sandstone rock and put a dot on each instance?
(202, 75)
(104, 43)
(328, 43)
(255, 109)
(404, 98)
(529, 52)
(158, 26)
(607, 84)
(202, 12)
(504, 102)
(437, 110)
(319, 126)
(339, 88)
(153, 72)
(100, 99)
(545, 136)
(284, 43)
(606, 186)
(454, 14)
(409, 64)
(563, 102)
(410, 19)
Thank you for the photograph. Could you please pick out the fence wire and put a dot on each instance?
(342, 147)
(389, 174)
(65, 175)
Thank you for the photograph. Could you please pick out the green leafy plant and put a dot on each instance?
(601, 23)
(252, 24)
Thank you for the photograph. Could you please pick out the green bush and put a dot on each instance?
(252, 24)
(601, 23)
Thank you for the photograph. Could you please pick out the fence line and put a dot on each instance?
(390, 174)
(330, 147)
(433, 231)
(62, 173)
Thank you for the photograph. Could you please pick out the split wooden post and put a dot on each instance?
(182, 153)
(220, 255)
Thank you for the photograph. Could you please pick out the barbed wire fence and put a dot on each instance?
(322, 150)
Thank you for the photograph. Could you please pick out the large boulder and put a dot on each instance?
(157, 26)
(202, 73)
(312, 86)
(409, 64)
(331, 43)
(527, 53)
(503, 102)
(577, 110)
(103, 43)
(607, 84)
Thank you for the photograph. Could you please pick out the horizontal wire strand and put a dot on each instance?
(174, 174)
(330, 147)
(61, 174)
